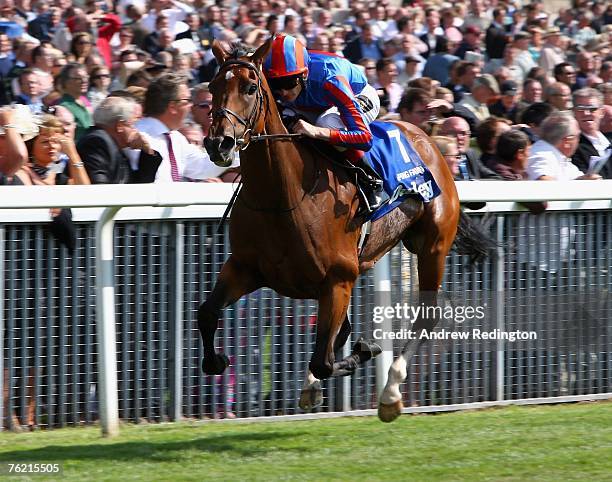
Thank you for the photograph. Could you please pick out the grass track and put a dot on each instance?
(536, 443)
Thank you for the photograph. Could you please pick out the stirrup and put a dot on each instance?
(372, 200)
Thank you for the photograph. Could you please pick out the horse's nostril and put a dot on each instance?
(227, 144)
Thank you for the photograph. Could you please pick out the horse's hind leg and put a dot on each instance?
(233, 283)
(431, 270)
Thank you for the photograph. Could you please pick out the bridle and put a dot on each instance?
(248, 123)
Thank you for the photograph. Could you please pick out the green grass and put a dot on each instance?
(545, 443)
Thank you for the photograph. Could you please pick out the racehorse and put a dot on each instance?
(295, 227)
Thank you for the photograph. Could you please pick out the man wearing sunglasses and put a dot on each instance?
(594, 148)
(201, 106)
(335, 97)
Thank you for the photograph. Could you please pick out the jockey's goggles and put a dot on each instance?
(284, 83)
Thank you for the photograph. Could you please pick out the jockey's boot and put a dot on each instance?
(371, 186)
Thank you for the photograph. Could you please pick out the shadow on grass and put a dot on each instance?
(238, 445)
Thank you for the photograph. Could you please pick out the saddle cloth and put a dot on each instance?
(400, 167)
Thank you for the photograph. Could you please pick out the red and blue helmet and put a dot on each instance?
(287, 57)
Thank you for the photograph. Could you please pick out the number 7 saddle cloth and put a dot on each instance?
(400, 167)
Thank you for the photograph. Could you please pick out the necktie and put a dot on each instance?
(174, 172)
(463, 170)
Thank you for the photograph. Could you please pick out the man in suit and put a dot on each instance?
(364, 47)
(433, 31)
(496, 37)
(470, 167)
(101, 148)
(594, 148)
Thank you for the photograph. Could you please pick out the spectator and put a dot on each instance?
(508, 104)
(465, 73)
(29, 84)
(532, 92)
(98, 88)
(438, 65)
(201, 109)
(74, 81)
(509, 62)
(559, 95)
(487, 134)
(469, 165)
(565, 73)
(167, 103)
(512, 154)
(413, 107)
(594, 147)
(81, 47)
(586, 69)
(532, 117)
(364, 46)
(103, 26)
(496, 37)
(550, 157)
(475, 105)
(44, 152)
(432, 31)
(67, 120)
(524, 59)
(552, 53)
(101, 147)
(386, 72)
(448, 149)
(471, 41)
(13, 152)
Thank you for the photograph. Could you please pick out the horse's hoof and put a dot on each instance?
(215, 365)
(311, 397)
(366, 350)
(388, 413)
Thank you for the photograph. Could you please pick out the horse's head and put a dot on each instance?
(238, 105)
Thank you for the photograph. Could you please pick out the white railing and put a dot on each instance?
(106, 203)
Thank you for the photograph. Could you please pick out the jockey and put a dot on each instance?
(333, 94)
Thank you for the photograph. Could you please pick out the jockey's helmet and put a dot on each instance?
(288, 57)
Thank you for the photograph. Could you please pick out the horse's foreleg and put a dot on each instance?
(233, 283)
(333, 305)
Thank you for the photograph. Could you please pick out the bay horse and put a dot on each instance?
(294, 227)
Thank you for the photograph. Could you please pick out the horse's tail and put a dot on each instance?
(472, 240)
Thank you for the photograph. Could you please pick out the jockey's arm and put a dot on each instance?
(316, 132)
(357, 135)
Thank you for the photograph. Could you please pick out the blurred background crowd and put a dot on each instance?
(509, 90)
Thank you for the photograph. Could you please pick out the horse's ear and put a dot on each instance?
(219, 52)
(262, 51)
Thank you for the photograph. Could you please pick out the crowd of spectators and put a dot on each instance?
(466, 72)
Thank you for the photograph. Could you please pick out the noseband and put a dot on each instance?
(230, 115)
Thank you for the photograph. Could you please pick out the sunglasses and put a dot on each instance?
(586, 108)
(101, 76)
(284, 83)
(204, 105)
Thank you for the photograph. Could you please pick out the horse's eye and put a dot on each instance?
(252, 89)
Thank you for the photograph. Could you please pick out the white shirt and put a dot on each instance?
(602, 146)
(546, 160)
(192, 162)
(599, 141)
